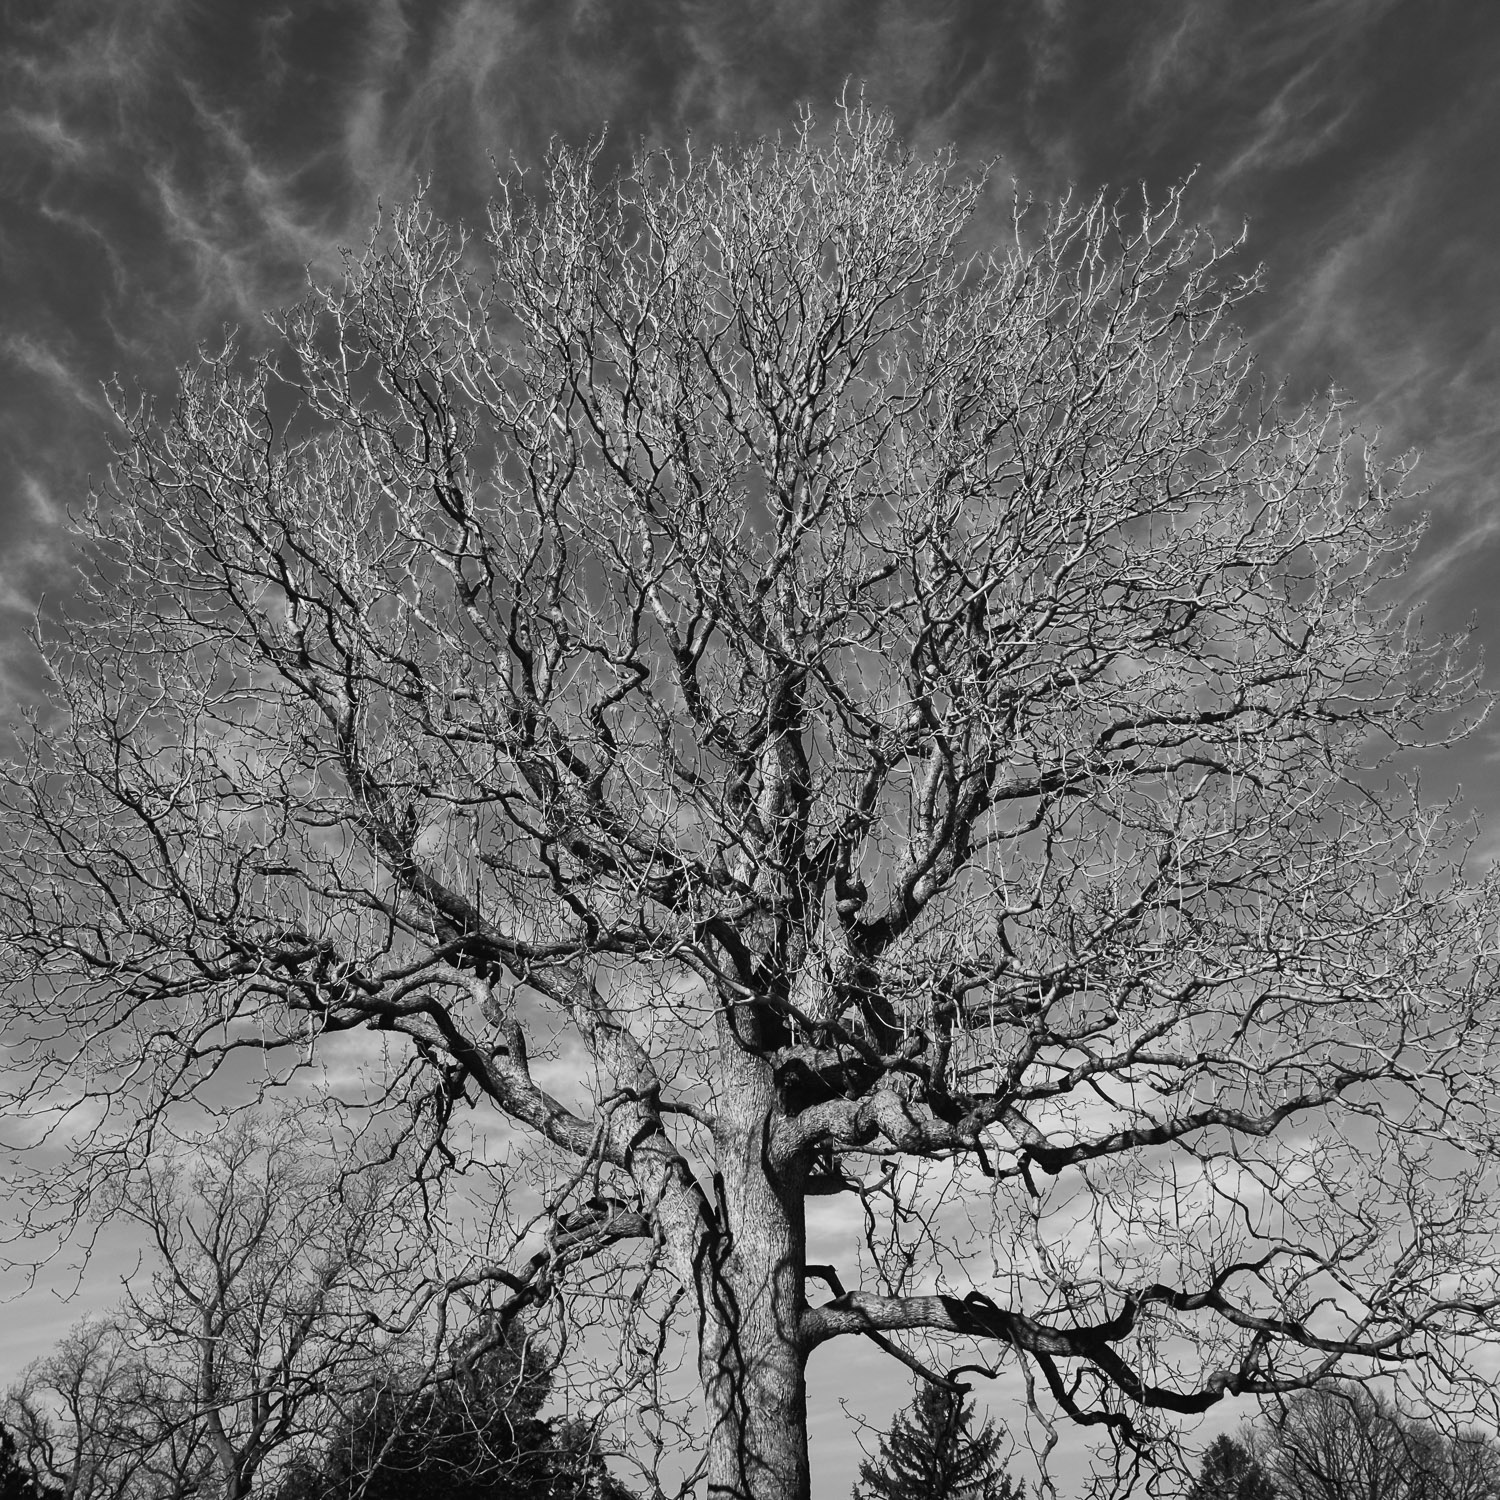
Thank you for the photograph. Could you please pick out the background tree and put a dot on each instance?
(273, 1267)
(933, 1453)
(474, 1435)
(1471, 1469)
(88, 1421)
(1231, 1471)
(1347, 1443)
(901, 721)
(258, 1310)
(17, 1482)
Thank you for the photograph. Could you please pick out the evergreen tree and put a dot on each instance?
(16, 1481)
(477, 1437)
(1231, 1472)
(933, 1453)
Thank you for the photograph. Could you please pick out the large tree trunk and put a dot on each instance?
(750, 1358)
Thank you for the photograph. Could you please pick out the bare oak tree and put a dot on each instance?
(756, 697)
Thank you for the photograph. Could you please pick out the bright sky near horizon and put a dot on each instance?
(171, 168)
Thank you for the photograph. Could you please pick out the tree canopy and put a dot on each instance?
(768, 676)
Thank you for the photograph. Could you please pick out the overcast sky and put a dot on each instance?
(172, 167)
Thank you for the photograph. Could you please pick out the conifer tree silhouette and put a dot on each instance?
(933, 1453)
(17, 1481)
(1231, 1472)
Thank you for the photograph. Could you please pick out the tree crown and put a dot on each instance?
(893, 719)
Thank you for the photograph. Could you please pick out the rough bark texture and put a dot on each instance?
(751, 1359)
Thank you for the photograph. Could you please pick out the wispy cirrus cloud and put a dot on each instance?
(39, 360)
(1285, 81)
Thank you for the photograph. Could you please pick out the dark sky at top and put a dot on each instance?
(169, 168)
(172, 167)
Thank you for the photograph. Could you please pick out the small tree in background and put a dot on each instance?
(1342, 1442)
(1231, 1472)
(1472, 1469)
(17, 1481)
(933, 1453)
(254, 1316)
(88, 1419)
(478, 1435)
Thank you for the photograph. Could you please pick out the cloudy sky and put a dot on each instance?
(172, 167)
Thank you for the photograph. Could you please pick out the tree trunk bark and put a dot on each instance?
(751, 1361)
